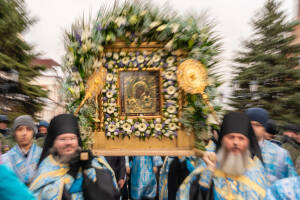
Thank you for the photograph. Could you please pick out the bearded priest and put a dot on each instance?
(235, 171)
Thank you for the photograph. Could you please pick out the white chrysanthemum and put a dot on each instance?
(168, 133)
(142, 127)
(108, 134)
(167, 121)
(120, 21)
(170, 75)
(171, 90)
(111, 128)
(171, 109)
(170, 60)
(172, 126)
(116, 56)
(109, 77)
(137, 133)
(152, 125)
(140, 59)
(122, 53)
(109, 54)
(110, 110)
(156, 58)
(126, 127)
(158, 120)
(158, 127)
(148, 132)
(109, 94)
(111, 64)
(116, 133)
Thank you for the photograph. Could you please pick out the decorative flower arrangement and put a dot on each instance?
(133, 22)
(158, 127)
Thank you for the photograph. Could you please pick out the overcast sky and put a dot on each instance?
(232, 17)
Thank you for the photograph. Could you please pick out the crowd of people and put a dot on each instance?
(248, 157)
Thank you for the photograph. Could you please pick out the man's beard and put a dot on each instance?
(64, 159)
(233, 164)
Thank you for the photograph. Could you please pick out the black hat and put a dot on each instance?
(292, 127)
(237, 122)
(258, 114)
(60, 124)
(271, 127)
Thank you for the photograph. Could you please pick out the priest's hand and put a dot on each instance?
(128, 170)
(86, 158)
(121, 183)
(155, 170)
(210, 160)
(74, 165)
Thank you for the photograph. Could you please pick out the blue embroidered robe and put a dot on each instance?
(164, 172)
(52, 178)
(251, 185)
(288, 188)
(163, 179)
(24, 167)
(277, 161)
(143, 180)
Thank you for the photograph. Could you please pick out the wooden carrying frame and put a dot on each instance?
(182, 145)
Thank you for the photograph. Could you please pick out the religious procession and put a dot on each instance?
(148, 103)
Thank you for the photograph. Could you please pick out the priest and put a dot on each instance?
(235, 171)
(65, 172)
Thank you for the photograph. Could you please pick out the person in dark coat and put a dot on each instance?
(117, 163)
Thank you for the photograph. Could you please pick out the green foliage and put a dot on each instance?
(270, 58)
(20, 97)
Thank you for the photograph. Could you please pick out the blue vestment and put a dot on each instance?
(163, 179)
(251, 185)
(24, 167)
(52, 178)
(164, 174)
(284, 189)
(277, 161)
(143, 180)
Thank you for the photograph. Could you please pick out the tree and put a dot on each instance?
(17, 94)
(269, 63)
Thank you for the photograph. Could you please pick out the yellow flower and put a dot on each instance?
(192, 76)
(161, 27)
(133, 19)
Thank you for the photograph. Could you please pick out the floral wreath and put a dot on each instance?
(136, 22)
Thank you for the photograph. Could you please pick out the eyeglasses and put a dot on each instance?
(71, 139)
